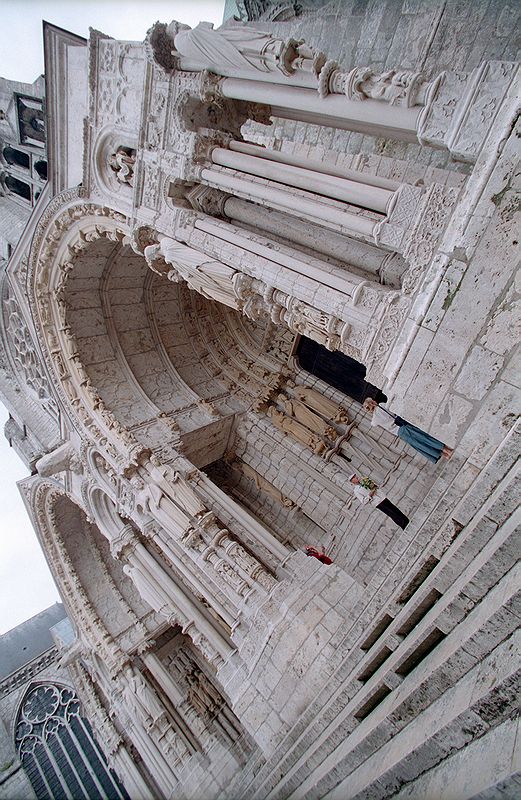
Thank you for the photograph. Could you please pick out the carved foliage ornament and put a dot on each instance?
(26, 358)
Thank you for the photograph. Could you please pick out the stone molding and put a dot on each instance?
(42, 496)
(16, 679)
(463, 107)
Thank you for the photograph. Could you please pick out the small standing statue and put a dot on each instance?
(212, 279)
(422, 442)
(141, 700)
(239, 49)
(203, 696)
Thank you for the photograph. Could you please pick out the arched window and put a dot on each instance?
(16, 157)
(58, 750)
(337, 369)
(20, 188)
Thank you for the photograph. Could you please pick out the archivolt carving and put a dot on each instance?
(56, 246)
(26, 358)
(44, 496)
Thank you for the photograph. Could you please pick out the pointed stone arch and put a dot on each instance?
(55, 514)
(132, 388)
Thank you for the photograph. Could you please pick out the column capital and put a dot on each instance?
(124, 543)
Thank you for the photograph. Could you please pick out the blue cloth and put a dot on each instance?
(425, 444)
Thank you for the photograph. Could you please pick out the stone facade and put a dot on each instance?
(188, 337)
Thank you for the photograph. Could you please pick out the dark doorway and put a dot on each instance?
(337, 369)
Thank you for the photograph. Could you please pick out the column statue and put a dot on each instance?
(203, 695)
(320, 403)
(308, 418)
(212, 279)
(263, 484)
(147, 592)
(242, 49)
(297, 431)
(141, 701)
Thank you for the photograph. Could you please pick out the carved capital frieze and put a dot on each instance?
(207, 200)
(392, 232)
(426, 232)
(396, 87)
(124, 543)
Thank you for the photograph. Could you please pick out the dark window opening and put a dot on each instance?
(41, 169)
(16, 157)
(31, 120)
(18, 187)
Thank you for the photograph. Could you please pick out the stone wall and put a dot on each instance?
(426, 35)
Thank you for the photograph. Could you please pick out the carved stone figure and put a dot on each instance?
(240, 49)
(145, 588)
(313, 323)
(122, 162)
(64, 457)
(210, 278)
(263, 484)
(304, 415)
(321, 404)
(141, 701)
(203, 695)
(297, 431)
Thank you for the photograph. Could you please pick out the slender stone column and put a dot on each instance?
(179, 561)
(163, 677)
(295, 160)
(335, 110)
(356, 193)
(351, 252)
(198, 538)
(341, 280)
(305, 205)
(125, 768)
(169, 598)
(252, 525)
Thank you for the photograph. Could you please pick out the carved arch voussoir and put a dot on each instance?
(67, 229)
(42, 496)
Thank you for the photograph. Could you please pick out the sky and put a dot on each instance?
(26, 586)
(21, 53)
